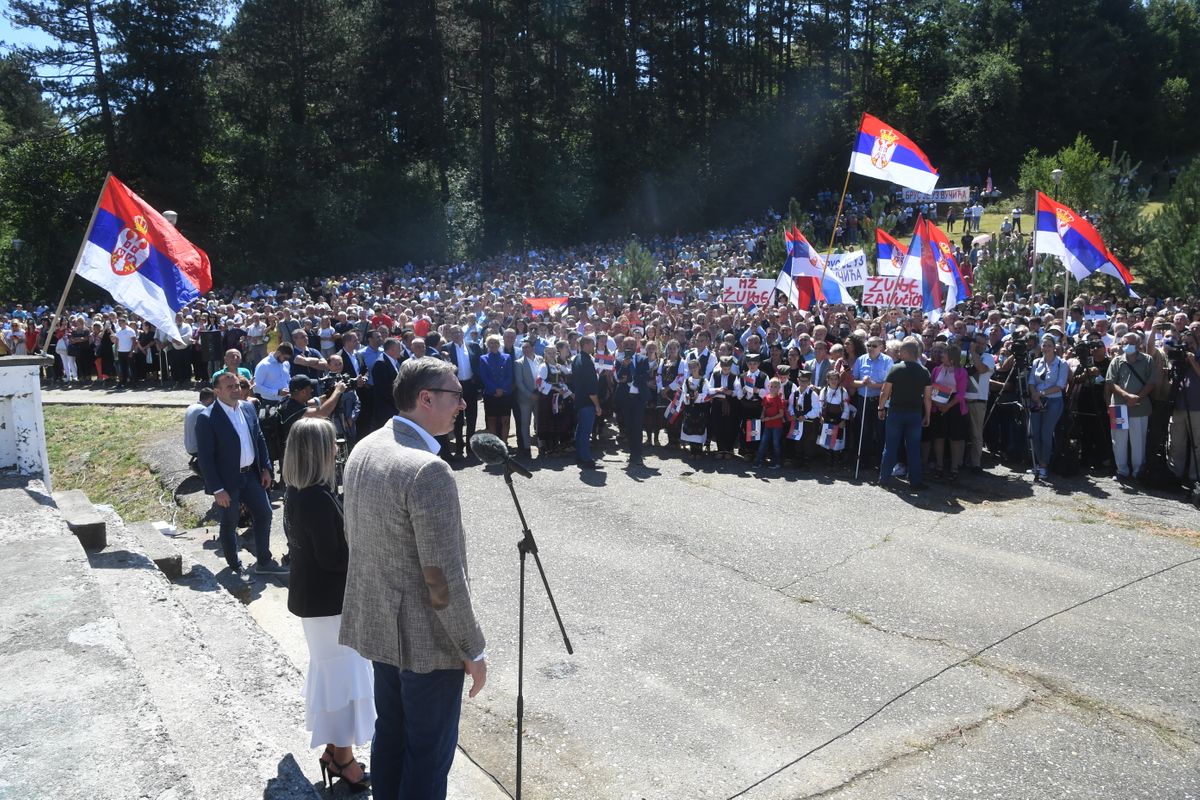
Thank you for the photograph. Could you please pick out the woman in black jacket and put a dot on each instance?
(339, 690)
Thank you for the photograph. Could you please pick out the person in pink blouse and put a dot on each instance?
(950, 418)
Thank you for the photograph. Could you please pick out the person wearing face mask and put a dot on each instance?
(1132, 376)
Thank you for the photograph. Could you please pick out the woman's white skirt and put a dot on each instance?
(339, 692)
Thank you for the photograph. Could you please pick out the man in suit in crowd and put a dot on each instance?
(633, 384)
(237, 469)
(407, 606)
(586, 387)
(383, 375)
(354, 366)
(465, 356)
(525, 374)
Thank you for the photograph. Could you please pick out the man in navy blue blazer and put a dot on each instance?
(237, 469)
(633, 385)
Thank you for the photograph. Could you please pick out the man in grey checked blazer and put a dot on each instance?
(408, 603)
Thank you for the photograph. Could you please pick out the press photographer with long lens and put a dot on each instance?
(1181, 350)
(1089, 363)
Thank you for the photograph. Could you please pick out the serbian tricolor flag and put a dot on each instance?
(546, 305)
(800, 279)
(753, 430)
(921, 264)
(889, 254)
(133, 253)
(830, 437)
(949, 272)
(1118, 418)
(1063, 233)
(883, 152)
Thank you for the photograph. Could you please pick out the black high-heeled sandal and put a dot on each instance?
(324, 761)
(361, 785)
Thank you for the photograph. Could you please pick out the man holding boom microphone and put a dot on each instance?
(408, 604)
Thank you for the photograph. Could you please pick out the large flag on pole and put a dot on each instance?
(949, 272)
(800, 279)
(883, 152)
(889, 254)
(141, 259)
(1063, 233)
(921, 264)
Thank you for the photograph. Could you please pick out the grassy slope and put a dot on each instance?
(98, 449)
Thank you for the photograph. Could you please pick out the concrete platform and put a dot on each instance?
(727, 623)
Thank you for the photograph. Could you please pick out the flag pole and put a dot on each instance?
(833, 233)
(62, 301)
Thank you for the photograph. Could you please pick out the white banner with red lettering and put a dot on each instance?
(740, 291)
(892, 292)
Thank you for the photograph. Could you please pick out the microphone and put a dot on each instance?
(488, 448)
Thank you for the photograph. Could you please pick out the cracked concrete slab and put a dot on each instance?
(725, 624)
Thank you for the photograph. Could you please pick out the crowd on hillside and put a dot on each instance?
(712, 368)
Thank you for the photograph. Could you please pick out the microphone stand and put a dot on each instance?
(526, 546)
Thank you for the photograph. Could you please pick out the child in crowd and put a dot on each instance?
(773, 406)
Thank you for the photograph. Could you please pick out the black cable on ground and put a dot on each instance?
(946, 669)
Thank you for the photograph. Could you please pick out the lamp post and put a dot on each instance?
(17, 245)
(1056, 175)
(171, 217)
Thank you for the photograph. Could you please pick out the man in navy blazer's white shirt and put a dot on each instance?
(237, 469)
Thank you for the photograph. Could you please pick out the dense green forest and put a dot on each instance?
(301, 136)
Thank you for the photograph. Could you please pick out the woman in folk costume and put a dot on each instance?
(834, 413)
(653, 418)
(556, 405)
(754, 389)
(605, 358)
(724, 389)
(667, 382)
(694, 409)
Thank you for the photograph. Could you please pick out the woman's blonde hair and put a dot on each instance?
(309, 456)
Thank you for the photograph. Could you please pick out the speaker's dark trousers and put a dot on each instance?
(250, 492)
(416, 732)
(466, 420)
(632, 408)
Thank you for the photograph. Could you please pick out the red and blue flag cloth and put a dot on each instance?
(139, 258)
(1063, 233)
(883, 152)
(804, 280)
(930, 260)
(889, 254)
(949, 271)
(800, 279)
(545, 305)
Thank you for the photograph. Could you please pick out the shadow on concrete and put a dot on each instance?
(290, 783)
(118, 559)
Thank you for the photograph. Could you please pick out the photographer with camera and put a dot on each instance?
(1181, 349)
(301, 400)
(1089, 366)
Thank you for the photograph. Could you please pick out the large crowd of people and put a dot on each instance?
(380, 377)
(1024, 377)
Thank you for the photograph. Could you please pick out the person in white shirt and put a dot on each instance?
(126, 339)
(189, 427)
(256, 340)
(979, 370)
(273, 374)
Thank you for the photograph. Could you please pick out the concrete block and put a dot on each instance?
(157, 548)
(82, 518)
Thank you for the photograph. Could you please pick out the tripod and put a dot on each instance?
(526, 546)
(1189, 466)
(1021, 372)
